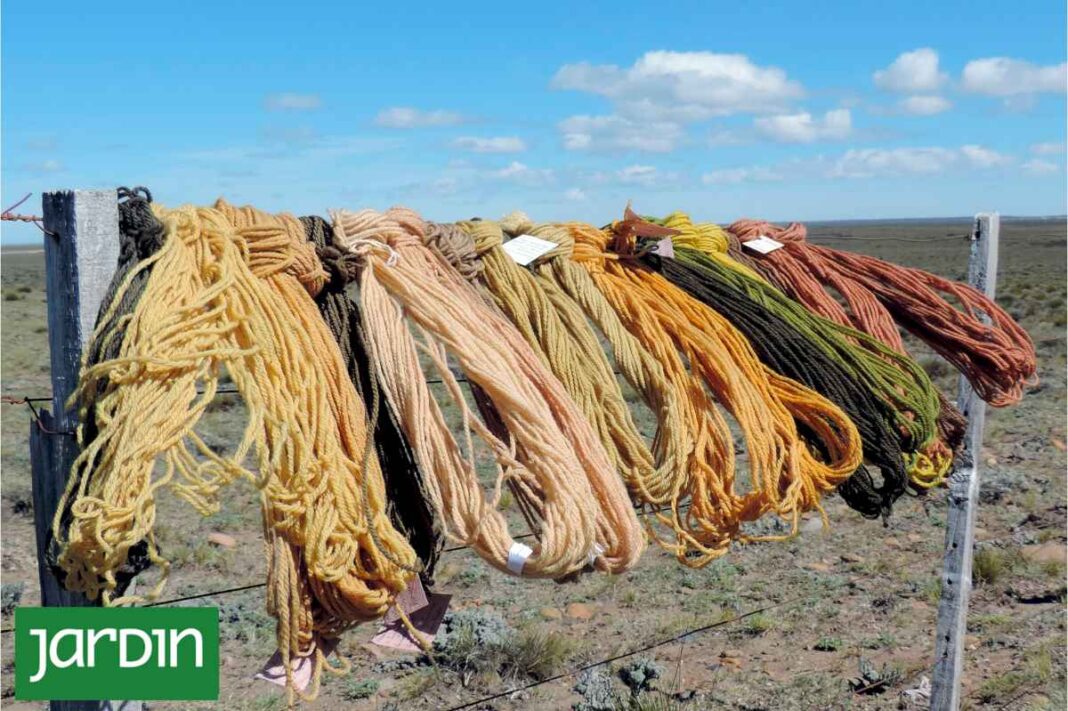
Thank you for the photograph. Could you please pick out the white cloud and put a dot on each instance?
(726, 137)
(522, 173)
(638, 175)
(686, 86)
(406, 117)
(1038, 166)
(616, 133)
(49, 165)
(870, 162)
(912, 73)
(925, 105)
(741, 175)
(1051, 148)
(495, 144)
(1007, 77)
(983, 157)
(804, 128)
(292, 102)
(575, 195)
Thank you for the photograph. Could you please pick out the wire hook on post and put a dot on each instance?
(9, 216)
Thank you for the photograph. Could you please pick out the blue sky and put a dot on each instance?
(813, 110)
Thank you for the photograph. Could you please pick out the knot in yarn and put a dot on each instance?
(590, 245)
(517, 223)
(747, 230)
(558, 235)
(342, 267)
(276, 244)
(141, 233)
(485, 233)
(457, 248)
(706, 237)
(364, 231)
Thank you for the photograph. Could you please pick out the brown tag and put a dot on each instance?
(425, 620)
(411, 599)
(633, 224)
(275, 672)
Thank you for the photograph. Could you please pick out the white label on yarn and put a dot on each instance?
(594, 554)
(517, 557)
(763, 244)
(524, 249)
(665, 248)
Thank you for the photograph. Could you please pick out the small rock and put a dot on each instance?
(818, 567)
(221, 539)
(551, 613)
(1059, 444)
(813, 525)
(579, 611)
(991, 461)
(1031, 592)
(915, 538)
(1050, 552)
(851, 558)
(972, 642)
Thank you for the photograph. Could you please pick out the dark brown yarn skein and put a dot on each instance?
(409, 506)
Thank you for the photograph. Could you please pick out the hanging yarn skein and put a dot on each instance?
(785, 349)
(908, 398)
(230, 289)
(409, 506)
(997, 358)
(556, 327)
(784, 478)
(141, 236)
(553, 455)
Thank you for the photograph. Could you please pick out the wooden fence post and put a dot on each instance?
(81, 246)
(963, 496)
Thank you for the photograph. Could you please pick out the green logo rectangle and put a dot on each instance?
(89, 653)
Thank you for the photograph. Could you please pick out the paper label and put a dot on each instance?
(275, 672)
(410, 600)
(665, 248)
(426, 620)
(763, 244)
(524, 249)
(517, 557)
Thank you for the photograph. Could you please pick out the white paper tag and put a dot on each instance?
(524, 249)
(763, 244)
(274, 671)
(517, 557)
(665, 248)
(593, 555)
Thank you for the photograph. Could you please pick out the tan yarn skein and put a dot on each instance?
(658, 478)
(553, 455)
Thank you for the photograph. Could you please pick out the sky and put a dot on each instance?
(778, 110)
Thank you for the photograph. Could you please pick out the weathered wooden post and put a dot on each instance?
(81, 246)
(963, 496)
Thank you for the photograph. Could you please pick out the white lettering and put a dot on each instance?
(75, 659)
(94, 637)
(198, 646)
(42, 654)
(124, 656)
